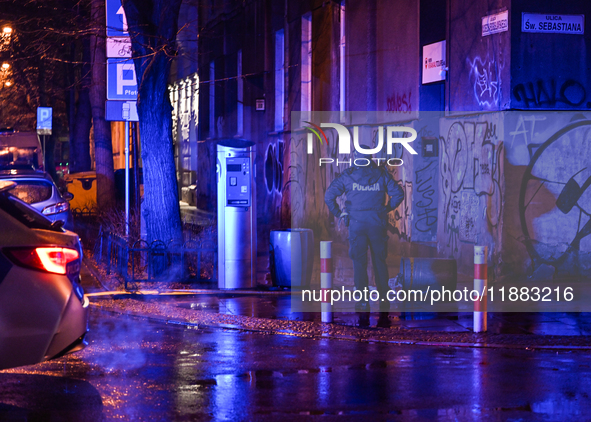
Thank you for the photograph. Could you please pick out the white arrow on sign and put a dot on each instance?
(123, 18)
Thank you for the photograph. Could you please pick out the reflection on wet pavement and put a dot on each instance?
(279, 307)
(141, 370)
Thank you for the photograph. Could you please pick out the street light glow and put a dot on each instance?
(7, 30)
(5, 66)
(8, 83)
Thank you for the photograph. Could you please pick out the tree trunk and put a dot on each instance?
(80, 139)
(152, 27)
(103, 149)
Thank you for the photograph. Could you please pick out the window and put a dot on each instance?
(279, 80)
(212, 99)
(306, 67)
(240, 97)
(32, 191)
(342, 81)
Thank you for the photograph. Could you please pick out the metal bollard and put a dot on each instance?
(480, 285)
(326, 280)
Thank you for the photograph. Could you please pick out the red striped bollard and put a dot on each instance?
(480, 285)
(326, 280)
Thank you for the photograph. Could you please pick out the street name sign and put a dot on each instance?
(553, 24)
(121, 80)
(493, 24)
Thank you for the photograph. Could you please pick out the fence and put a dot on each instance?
(194, 258)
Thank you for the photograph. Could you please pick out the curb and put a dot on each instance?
(401, 342)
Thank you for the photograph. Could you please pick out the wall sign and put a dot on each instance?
(493, 24)
(434, 67)
(552, 24)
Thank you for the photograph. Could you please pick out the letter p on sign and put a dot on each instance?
(44, 115)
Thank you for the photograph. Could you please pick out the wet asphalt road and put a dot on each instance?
(140, 370)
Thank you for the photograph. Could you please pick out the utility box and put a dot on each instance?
(237, 230)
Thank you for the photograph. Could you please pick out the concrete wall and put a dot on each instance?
(471, 188)
(550, 71)
(480, 67)
(382, 57)
(516, 182)
(548, 203)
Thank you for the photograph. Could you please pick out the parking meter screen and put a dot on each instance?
(238, 181)
(234, 167)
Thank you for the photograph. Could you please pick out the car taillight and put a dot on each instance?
(54, 209)
(50, 259)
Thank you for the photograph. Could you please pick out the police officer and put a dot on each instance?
(365, 186)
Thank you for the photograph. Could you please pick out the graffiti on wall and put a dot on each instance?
(399, 102)
(307, 183)
(555, 199)
(471, 194)
(274, 167)
(399, 221)
(550, 94)
(485, 79)
(426, 219)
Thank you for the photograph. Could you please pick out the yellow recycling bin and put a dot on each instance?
(83, 186)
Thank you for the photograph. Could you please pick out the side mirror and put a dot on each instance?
(68, 196)
(58, 224)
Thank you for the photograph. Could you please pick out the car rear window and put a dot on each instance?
(32, 191)
(24, 213)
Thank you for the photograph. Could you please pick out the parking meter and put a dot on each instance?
(237, 246)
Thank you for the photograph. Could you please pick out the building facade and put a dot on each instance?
(501, 113)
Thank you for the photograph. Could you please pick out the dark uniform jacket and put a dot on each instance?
(366, 189)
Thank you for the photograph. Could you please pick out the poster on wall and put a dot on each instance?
(434, 62)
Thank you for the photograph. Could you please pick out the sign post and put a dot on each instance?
(122, 86)
(44, 120)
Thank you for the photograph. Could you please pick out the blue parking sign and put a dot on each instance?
(116, 21)
(44, 120)
(121, 80)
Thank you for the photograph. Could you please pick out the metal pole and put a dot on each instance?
(127, 178)
(326, 280)
(480, 285)
(44, 166)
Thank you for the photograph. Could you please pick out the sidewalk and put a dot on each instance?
(271, 312)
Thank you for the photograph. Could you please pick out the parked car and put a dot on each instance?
(20, 149)
(43, 310)
(37, 189)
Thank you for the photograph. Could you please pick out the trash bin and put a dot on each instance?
(83, 186)
(292, 257)
(420, 273)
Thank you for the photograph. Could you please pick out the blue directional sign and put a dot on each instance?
(116, 21)
(44, 117)
(121, 80)
(121, 111)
